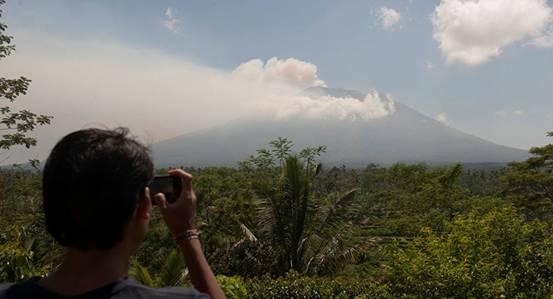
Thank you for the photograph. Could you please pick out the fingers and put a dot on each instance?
(179, 215)
(148, 196)
(186, 179)
(161, 201)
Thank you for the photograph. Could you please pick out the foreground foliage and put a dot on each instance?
(282, 226)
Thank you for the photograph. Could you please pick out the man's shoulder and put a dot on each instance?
(133, 289)
(124, 289)
(3, 288)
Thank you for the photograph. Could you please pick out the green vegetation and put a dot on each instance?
(282, 226)
(25, 250)
(15, 125)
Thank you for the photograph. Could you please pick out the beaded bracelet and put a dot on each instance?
(189, 234)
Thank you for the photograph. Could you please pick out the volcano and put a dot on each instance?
(404, 135)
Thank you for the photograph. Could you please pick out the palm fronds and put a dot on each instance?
(141, 274)
(248, 233)
(173, 272)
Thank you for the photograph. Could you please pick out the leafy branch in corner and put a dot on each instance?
(15, 125)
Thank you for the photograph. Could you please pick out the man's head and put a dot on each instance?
(94, 189)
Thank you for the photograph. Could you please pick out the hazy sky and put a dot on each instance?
(164, 68)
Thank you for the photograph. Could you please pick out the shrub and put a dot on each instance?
(295, 286)
(492, 255)
(16, 256)
(233, 286)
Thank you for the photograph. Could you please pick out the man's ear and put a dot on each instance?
(144, 206)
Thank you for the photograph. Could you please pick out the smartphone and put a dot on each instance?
(170, 186)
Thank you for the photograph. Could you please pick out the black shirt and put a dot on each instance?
(123, 289)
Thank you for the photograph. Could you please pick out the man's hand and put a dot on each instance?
(179, 215)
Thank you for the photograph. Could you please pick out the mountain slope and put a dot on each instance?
(404, 136)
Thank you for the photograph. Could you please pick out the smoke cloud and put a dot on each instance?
(290, 71)
(85, 84)
(327, 107)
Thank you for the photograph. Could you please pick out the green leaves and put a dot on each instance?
(12, 88)
(173, 272)
(233, 286)
(141, 274)
(20, 123)
(275, 156)
(310, 154)
(281, 148)
(529, 184)
(294, 285)
(18, 260)
(488, 255)
(15, 124)
(5, 40)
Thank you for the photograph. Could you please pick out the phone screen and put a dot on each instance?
(170, 186)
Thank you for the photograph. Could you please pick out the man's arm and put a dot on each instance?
(201, 275)
(179, 217)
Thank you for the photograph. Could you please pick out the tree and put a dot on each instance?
(404, 198)
(480, 255)
(281, 148)
(308, 233)
(529, 184)
(16, 125)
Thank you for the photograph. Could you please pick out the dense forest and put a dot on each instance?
(281, 225)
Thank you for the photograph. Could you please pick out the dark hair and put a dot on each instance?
(92, 182)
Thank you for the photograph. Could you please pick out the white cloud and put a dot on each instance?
(388, 17)
(442, 118)
(430, 66)
(472, 32)
(289, 71)
(170, 22)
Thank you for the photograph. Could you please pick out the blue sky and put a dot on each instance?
(505, 97)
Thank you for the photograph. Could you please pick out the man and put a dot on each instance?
(97, 205)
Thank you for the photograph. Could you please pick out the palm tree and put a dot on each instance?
(307, 234)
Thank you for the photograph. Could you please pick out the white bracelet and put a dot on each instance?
(189, 234)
